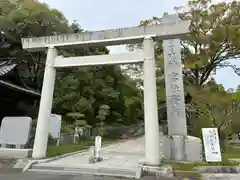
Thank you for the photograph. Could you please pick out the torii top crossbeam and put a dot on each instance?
(130, 35)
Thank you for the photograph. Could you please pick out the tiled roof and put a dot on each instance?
(13, 86)
(6, 67)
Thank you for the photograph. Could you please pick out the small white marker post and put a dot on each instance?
(98, 145)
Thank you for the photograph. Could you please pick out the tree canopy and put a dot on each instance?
(213, 41)
(27, 18)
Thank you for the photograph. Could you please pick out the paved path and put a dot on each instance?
(125, 154)
(123, 159)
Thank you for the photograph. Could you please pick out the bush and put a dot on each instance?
(111, 132)
(223, 138)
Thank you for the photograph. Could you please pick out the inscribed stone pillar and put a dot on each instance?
(176, 115)
(174, 84)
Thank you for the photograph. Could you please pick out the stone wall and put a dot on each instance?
(193, 148)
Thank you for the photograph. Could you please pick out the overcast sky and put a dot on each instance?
(108, 14)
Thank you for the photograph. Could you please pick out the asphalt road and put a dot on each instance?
(40, 176)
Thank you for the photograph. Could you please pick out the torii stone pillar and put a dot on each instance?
(152, 140)
(41, 136)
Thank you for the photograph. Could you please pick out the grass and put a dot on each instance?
(54, 150)
(232, 153)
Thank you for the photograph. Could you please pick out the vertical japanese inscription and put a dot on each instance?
(213, 141)
(172, 56)
(174, 88)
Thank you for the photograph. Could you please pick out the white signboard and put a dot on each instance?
(55, 126)
(98, 145)
(15, 130)
(211, 145)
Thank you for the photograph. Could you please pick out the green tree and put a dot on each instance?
(236, 103)
(86, 90)
(215, 108)
(213, 41)
(27, 18)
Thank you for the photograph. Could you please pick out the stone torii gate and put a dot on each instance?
(145, 34)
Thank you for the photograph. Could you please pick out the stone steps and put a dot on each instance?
(135, 173)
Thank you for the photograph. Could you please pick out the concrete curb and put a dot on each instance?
(187, 174)
(237, 160)
(209, 176)
(105, 171)
(158, 171)
(29, 165)
(218, 169)
(135, 175)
